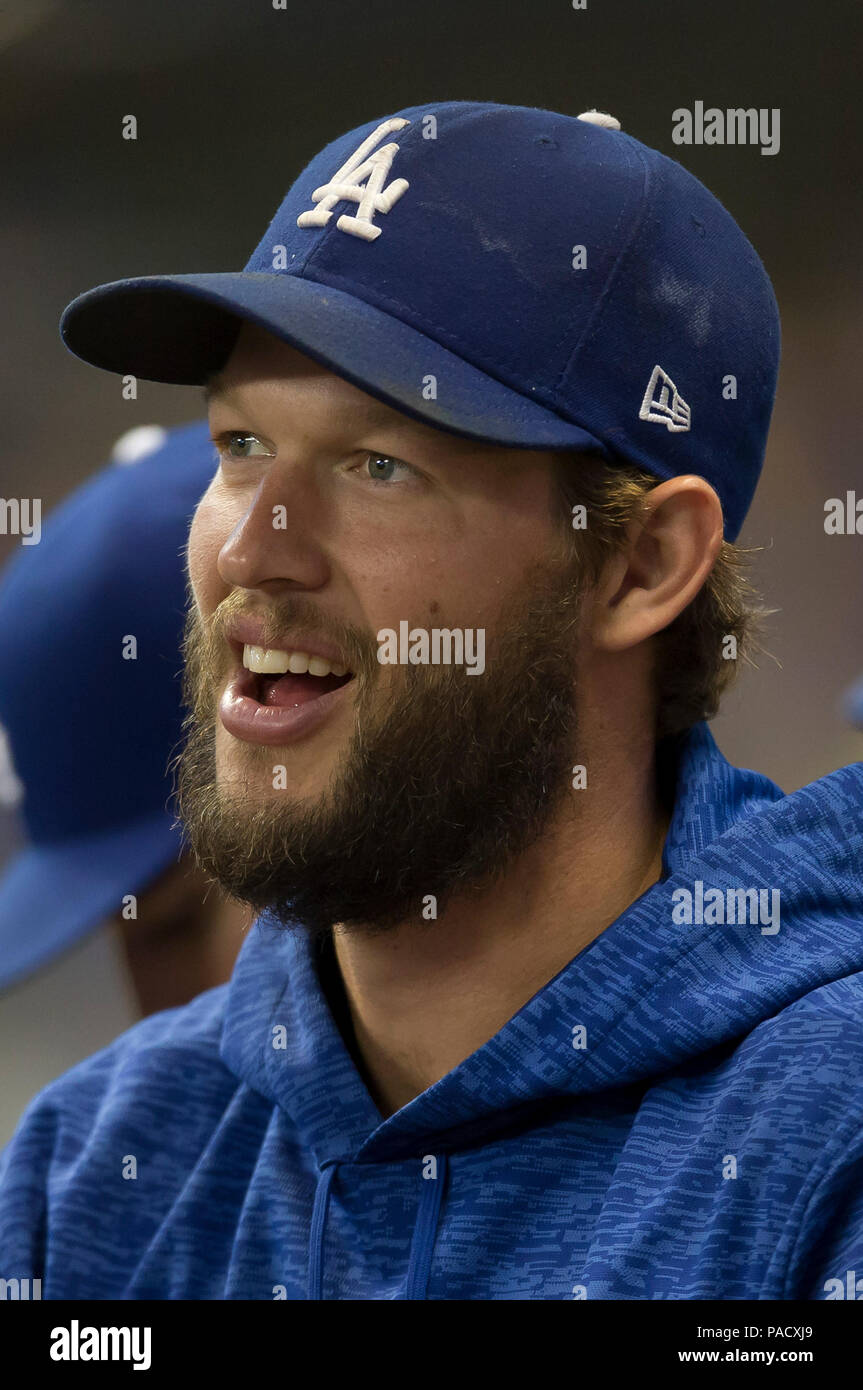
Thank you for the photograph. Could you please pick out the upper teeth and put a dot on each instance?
(272, 661)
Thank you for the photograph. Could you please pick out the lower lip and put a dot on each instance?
(244, 717)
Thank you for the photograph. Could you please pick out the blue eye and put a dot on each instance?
(382, 467)
(234, 445)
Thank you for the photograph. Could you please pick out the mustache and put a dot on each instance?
(208, 656)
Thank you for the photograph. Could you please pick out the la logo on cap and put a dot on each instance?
(360, 180)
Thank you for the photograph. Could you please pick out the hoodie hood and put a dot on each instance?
(588, 1150)
(649, 994)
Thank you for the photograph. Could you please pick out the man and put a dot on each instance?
(546, 999)
(90, 700)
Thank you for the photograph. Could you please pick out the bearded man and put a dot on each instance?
(544, 998)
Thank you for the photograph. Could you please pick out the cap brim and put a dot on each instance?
(51, 896)
(181, 329)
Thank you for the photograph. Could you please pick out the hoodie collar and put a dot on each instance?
(648, 993)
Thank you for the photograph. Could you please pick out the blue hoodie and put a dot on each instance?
(678, 1114)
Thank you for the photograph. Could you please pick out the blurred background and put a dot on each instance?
(232, 97)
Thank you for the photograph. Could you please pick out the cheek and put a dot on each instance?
(206, 538)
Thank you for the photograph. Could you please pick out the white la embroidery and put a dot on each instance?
(663, 403)
(346, 184)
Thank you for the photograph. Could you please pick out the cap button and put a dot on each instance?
(600, 118)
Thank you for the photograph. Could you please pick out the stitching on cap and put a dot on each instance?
(593, 324)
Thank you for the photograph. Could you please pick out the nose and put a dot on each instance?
(274, 543)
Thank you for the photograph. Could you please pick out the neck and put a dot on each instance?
(423, 997)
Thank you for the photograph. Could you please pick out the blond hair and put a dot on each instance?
(692, 670)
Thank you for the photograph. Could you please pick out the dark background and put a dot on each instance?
(233, 97)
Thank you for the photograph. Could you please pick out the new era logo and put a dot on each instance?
(663, 403)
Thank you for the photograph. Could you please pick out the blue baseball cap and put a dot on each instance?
(89, 732)
(510, 274)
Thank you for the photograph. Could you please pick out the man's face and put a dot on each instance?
(353, 790)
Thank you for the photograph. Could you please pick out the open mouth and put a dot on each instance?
(279, 696)
(285, 679)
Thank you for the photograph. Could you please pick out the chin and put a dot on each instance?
(247, 767)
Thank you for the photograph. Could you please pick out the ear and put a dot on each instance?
(668, 554)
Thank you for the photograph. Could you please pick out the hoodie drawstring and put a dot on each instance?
(422, 1245)
(316, 1236)
(425, 1231)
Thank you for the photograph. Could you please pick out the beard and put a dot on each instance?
(445, 781)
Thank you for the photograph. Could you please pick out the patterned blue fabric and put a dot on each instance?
(705, 1142)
